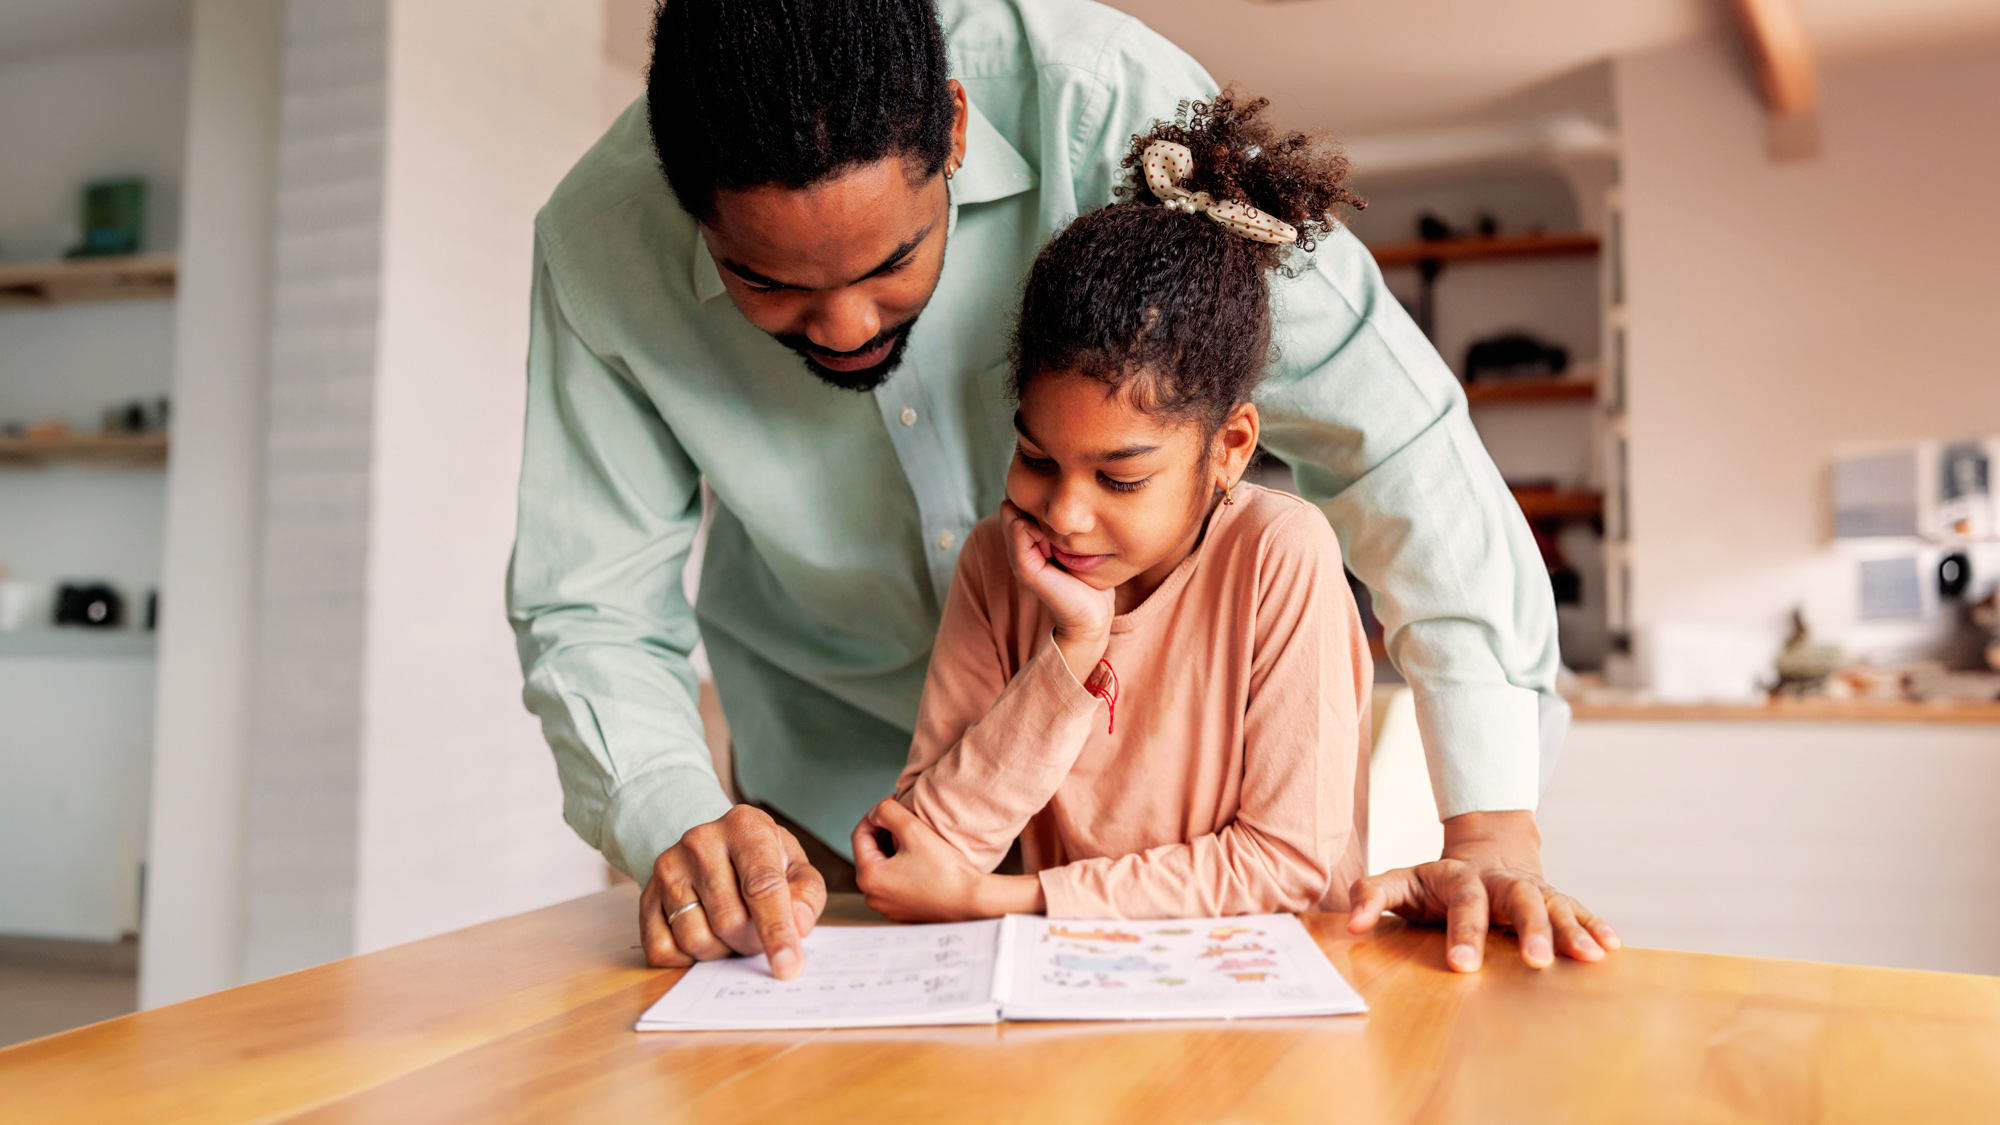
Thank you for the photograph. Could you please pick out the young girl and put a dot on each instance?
(1151, 673)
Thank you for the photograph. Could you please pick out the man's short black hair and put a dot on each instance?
(744, 93)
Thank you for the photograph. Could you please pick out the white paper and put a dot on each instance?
(1189, 968)
(1021, 967)
(856, 976)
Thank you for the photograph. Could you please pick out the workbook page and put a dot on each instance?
(855, 976)
(1189, 968)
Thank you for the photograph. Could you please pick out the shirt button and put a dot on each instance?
(909, 416)
(946, 540)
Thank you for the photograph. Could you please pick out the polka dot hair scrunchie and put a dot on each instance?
(1168, 163)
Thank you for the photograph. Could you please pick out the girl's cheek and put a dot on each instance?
(1023, 488)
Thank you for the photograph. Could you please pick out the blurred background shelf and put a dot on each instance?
(1560, 505)
(1533, 245)
(1531, 390)
(130, 450)
(137, 277)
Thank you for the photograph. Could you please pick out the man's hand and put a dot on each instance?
(757, 894)
(929, 880)
(1491, 872)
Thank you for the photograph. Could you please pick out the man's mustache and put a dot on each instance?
(802, 344)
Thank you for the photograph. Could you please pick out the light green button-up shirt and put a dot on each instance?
(838, 515)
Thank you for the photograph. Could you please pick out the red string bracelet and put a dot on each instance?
(1108, 695)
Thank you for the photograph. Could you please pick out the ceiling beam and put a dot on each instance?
(1775, 37)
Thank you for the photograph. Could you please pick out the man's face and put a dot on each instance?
(838, 271)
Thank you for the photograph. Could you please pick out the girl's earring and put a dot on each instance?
(1229, 495)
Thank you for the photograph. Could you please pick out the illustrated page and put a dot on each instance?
(855, 976)
(1199, 968)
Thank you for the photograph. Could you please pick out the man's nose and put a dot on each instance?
(843, 321)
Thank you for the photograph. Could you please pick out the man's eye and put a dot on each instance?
(1116, 485)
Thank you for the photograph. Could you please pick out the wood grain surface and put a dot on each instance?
(1791, 710)
(529, 1019)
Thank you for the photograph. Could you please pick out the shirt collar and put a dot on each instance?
(992, 170)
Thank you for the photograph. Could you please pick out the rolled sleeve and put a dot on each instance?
(1376, 430)
(609, 506)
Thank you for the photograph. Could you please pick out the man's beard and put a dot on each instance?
(867, 378)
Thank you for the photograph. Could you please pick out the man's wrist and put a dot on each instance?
(1511, 836)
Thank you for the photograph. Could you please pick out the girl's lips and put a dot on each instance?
(865, 360)
(1077, 564)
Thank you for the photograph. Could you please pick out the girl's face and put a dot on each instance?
(1120, 494)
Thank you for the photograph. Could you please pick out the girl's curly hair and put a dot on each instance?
(1171, 303)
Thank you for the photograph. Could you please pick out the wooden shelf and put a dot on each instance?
(1560, 505)
(136, 277)
(136, 450)
(1499, 246)
(1555, 389)
(71, 642)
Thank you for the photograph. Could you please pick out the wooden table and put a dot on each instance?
(529, 1019)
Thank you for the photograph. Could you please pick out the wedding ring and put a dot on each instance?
(680, 910)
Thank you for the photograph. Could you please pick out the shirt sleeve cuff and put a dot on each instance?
(1484, 748)
(1065, 896)
(649, 813)
(1058, 684)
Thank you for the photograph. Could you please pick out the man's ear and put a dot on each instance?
(961, 114)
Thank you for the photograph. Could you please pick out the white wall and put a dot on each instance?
(71, 118)
(398, 788)
(461, 812)
(194, 917)
(1779, 310)
(302, 845)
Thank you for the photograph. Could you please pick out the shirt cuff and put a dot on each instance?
(1056, 683)
(1484, 747)
(1065, 896)
(649, 813)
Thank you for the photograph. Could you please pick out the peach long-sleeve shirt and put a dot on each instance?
(1234, 781)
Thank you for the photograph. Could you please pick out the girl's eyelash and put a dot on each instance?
(1048, 465)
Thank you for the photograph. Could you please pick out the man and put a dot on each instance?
(789, 275)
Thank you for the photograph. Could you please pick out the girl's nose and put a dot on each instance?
(1068, 511)
(843, 321)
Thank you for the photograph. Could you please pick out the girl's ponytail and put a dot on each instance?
(1165, 303)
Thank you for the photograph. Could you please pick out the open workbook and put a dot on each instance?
(1019, 968)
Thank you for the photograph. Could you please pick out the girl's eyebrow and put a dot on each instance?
(1124, 453)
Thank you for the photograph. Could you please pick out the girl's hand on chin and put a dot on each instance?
(929, 880)
(1083, 613)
